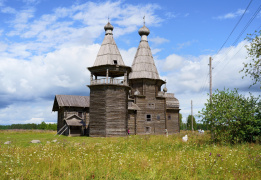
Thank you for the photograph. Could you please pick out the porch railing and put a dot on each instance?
(108, 81)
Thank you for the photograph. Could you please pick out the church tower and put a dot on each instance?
(146, 90)
(109, 89)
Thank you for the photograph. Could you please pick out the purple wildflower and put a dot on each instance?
(209, 154)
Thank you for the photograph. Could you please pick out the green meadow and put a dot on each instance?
(132, 157)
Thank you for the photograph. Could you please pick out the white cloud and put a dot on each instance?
(34, 120)
(231, 15)
(8, 10)
(188, 77)
(171, 15)
(28, 86)
(158, 40)
(155, 51)
(20, 21)
(128, 55)
(28, 112)
(56, 30)
(47, 75)
(173, 62)
(186, 44)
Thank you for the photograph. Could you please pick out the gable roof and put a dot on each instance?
(70, 101)
(73, 117)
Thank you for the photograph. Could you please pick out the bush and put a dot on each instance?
(233, 117)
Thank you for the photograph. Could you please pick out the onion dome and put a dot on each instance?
(144, 31)
(165, 89)
(108, 26)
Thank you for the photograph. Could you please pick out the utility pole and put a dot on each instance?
(210, 95)
(192, 115)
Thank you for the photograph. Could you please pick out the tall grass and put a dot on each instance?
(133, 157)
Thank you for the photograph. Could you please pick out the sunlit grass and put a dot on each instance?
(133, 157)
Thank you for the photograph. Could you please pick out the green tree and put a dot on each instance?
(52, 126)
(189, 123)
(253, 68)
(234, 117)
(43, 125)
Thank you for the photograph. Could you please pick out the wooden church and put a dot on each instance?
(122, 99)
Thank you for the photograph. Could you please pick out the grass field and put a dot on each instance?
(133, 157)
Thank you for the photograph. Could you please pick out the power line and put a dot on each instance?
(237, 51)
(234, 27)
(204, 85)
(241, 33)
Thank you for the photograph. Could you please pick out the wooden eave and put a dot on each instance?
(140, 96)
(160, 97)
(119, 85)
(114, 70)
(70, 101)
(158, 81)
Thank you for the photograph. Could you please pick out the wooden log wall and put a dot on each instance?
(116, 110)
(131, 122)
(173, 123)
(150, 105)
(97, 111)
(108, 110)
(60, 118)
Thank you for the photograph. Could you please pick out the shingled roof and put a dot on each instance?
(70, 101)
(171, 101)
(74, 120)
(109, 51)
(143, 65)
(133, 106)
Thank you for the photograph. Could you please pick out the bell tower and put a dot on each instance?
(109, 89)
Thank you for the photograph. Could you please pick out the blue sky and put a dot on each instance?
(45, 47)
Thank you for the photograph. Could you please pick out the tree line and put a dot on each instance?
(43, 126)
(188, 124)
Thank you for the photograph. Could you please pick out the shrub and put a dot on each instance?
(233, 117)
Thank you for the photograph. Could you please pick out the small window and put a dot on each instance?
(158, 117)
(169, 117)
(151, 105)
(148, 117)
(148, 129)
(80, 114)
(115, 62)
